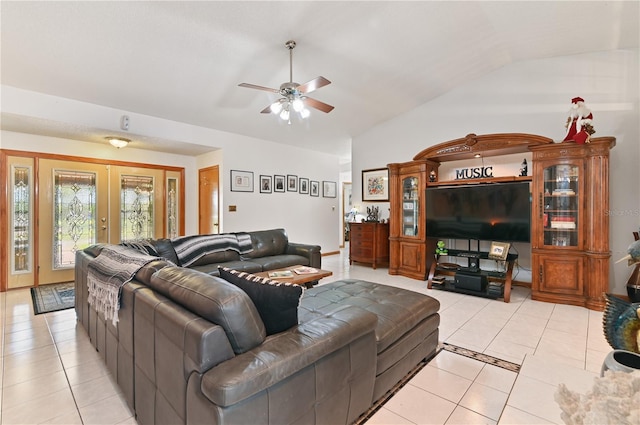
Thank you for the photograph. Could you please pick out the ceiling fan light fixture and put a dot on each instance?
(293, 94)
(118, 142)
(298, 105)
(276, 107)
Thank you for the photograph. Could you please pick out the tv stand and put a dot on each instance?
(450, 270)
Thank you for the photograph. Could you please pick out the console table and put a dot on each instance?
(490, 275)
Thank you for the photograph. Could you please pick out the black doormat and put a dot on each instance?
(53, 297)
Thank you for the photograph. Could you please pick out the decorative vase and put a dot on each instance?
(633, 284)
(621, 361)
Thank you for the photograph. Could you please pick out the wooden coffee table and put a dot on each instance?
(297, 279)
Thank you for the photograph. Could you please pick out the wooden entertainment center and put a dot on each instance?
(569, 225)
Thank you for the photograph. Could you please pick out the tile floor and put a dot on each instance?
(50, 373)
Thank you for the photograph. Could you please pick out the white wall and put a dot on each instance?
(307, 219)
(532, 97)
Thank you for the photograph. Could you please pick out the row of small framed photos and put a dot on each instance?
(242, 181)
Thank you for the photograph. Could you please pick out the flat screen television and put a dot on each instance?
(490, 212)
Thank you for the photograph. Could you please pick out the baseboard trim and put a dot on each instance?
(324, 254)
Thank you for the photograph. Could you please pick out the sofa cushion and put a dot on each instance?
(216, 300)
(280, 261)
(277, 302)
(164, 248)
(192, 248)
(245, 266)
(217, 257)
(268, 242)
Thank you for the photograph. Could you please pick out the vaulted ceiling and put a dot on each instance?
(183, 61)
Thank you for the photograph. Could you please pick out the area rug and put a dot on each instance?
(53, 297)
(446, 347)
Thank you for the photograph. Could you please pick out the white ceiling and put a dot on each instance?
(183, 61)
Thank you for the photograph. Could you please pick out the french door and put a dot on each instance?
(58, 206)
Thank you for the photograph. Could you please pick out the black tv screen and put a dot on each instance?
(490, 212)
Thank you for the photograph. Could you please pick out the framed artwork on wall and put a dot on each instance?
(303, 185)
(314, 188)
(329, 189)
(266, 184)
(375, 184)
(278, 183)
(292, 183)
(241, 181)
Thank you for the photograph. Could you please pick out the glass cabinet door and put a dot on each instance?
(561, 206)
(410, 207)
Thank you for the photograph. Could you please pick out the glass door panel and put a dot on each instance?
(561, 204)
(20, 216)
(137, 203)
(72, 215)
(410, 207)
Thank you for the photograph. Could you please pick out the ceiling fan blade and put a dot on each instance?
(321, 106)
(253, 86)
(266, 110)
(312, 85)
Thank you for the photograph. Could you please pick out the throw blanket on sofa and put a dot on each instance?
(189, 249)
(108, 272)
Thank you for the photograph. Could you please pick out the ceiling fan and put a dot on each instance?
(294, 95)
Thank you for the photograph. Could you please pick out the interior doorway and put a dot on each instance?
(209, 200)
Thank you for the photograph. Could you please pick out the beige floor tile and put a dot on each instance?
(473, 340)
(40, 386)
(86, 371)
(40, 410)
(441, 383)
(31, 356)
(526, 337)
(484, 400)
(84, 354)
(509, 351)
(90, 392)
(464, 416)
(39, 334)
(536, 398)
(419, 406)
(513, 416)
(457, 364)
(108, 411)
(387, 417)
(554, 373)
(497, 378)
(30, 371)
(72, 418)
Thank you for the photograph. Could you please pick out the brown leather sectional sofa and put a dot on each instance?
(190, 347)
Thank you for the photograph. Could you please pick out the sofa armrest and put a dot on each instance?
(312, 252)
(284, 354)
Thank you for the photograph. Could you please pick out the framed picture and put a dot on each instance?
(278, 183)
(292, 183)
(266, 184)
(329, 189)
(303, 185)
(241, 181)
(375, 184)
(314, 188)
(499, 250)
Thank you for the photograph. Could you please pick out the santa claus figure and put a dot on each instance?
(578, 125)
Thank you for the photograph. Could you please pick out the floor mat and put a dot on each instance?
(53, 297)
